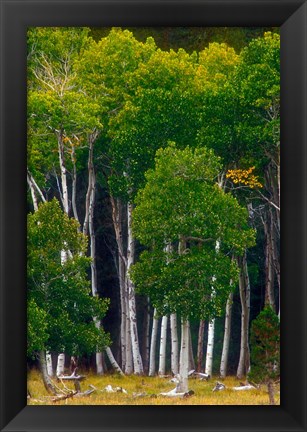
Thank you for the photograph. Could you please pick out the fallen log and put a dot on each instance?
(73, 377)
(64, 396)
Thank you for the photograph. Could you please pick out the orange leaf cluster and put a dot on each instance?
(245, 177)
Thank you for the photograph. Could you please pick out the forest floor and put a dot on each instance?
(151, 387)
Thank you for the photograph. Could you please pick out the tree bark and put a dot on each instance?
(200, 345)
(174, 344)
(137, 359)
(60, 364)
(163, 345)
(210, 346)
(99, 363)
(184, 360)
(271, 392)
(269, 269)
(49, 365)
(152, 356)
(89, 229)
(117, 218)
(46, 379)
(211, 326)
(74, 183)
(191, 354)
(65, 200)
(226, 341)
(113, 362)
(244, 288)
(146, 333)
(34, 187)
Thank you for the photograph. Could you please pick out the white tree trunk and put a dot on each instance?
(227, 330)
(74, 183)
(152, 355)
(46, 379)
(146, 336)
(89, 229)
(244, 288)
(129, 357)
(60, 364)
(113, 362)
(121, 263)
(65, 200)
(174, 344)
(163, 345)
(184, 358)
(34, 199)
(99, 363)
(210, 346)
(50, 370)
(34, 187)
(137, 359)
(211, 326)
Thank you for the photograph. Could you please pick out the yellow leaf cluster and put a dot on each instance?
(245, 177)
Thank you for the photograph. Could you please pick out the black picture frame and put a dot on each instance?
(16, 16)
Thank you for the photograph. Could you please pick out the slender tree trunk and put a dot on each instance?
(60, 365)
(129, 356)
(46, 379)
(65, 202)
(152, 356)
(113, 362)
(49, 365)
(146, 343)
(210, 346)
(191, 354)
(184, 360)
(99, 363)
(211, 326)
(200, 345)
(34, 187)
(272, 230)
(74, 183)
(89, 229)
(117, 218)
(162, 354)
(174, 344)
(137, 359)
(226, 341)
(271, 392)
(244, 288)
(65, 199)
(269, 269)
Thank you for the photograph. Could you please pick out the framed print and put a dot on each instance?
(142, 149)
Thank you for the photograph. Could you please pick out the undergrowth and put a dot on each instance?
(152, 386)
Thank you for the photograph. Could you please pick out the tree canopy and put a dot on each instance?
(182, 206)
(60, 309)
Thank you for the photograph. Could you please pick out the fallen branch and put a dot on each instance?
(63, 397)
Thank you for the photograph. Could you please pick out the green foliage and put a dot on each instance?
(181, 204)
(258, 86)
(58, 288)
(37, 328)
(265, 346)
(240, 112)
(58, 106)
(162, 105)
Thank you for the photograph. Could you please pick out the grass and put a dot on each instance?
(152, 386)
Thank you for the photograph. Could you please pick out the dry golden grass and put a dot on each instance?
(152, 386)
